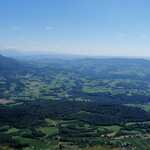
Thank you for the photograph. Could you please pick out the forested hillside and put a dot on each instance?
(88, 79)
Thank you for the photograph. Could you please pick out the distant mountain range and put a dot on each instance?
(8, 64)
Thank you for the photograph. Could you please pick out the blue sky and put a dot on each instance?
(93, 27)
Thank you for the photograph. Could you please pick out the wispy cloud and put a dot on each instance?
(15, 28)
(49, 28)
(144, 36)
(122, 35)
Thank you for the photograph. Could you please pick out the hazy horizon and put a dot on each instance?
(19, 53)
(81, 27)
